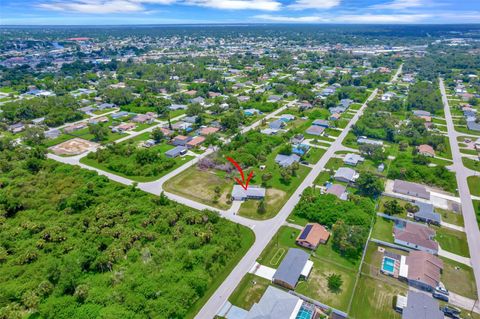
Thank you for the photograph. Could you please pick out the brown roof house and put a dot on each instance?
(208, 130)
(196, 141)
(426, 150)
(181, 140)
(415, 236)
(421, 270)
(312, 235)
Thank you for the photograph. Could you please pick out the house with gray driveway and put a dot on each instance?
(287, 160)
(345, 174)
(252, 192)
(426, 213)
(410, 189)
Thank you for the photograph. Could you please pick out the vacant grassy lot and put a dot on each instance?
(274, 200)
(458, 278)
(383, 229)
(452, 240)
(374, 298)
(316, 286)
(314, 155)
(200, 186)
(471, 164)
(178, 162)
(474, 185)
(451, 217)
(249, 291)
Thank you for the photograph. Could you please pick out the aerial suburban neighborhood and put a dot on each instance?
(240, 172)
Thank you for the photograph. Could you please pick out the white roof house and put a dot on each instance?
(252, 192)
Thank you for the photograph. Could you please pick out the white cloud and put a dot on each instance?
(265, 5)
(305, 19)
(92, 6)
(314, 4)
(399, 4)
(349, 18)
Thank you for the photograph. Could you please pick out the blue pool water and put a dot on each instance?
(305, 313)
(388, 264)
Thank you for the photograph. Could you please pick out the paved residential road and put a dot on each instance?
(468, 211)
(265, 230)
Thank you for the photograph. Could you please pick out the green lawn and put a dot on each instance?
(322, 178)
(451, 217)
(452, 240)
(314, 155)
(248, 238)
(471, 164)
(474, 185)
(476, 206)
(383, 229)
(316, 286)
(178, 162)
(200, 186)
(374, 298)
(278, 246)
(249, 291)
(458, 278)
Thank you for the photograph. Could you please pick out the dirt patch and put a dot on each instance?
(74, 146)
(273, 195)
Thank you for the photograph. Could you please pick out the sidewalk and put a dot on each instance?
(455, 257)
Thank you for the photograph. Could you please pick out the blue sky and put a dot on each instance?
(76, 12)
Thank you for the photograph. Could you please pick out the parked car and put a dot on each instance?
(440, 296)
(451, 309)
(442, 290)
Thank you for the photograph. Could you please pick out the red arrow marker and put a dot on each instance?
(241, 182)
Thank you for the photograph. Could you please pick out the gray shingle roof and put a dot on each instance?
(291, 266)
(421, 306)
(427, 212)
(275, 304)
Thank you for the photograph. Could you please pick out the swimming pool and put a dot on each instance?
(305, 312)
(388, 264)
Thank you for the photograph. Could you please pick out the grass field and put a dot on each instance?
(471, 164)
(375, 298)
(452, 240)
(315, 154)
(249, 291)
(278, 246)
(451, 217)
(383, 229)
(316, 286)
(458, 278)
(474, 185)
(476, 206)
(200, 186)
(248, 238)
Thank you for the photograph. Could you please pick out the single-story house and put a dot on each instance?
(166, 131)
(16, 128)
(415, 236)
(363, 140)
(353, 159)
(53, 133)
(177, 151)
(410, 189)
(421, 270)
(208, 130)
(196, 141)
(119, 115)
(426, 213)
(323, 123)
(243, 98)
(473, 125)
(252, 192)
(143, 118)
(426, 150)
(315, 130)
(345, 174)
(337, 109)
(123, 127)
(287, 160)
(334, 117)
(346, 103)
(294, 266)
(338, 190)
(191, 92)
(269, 131)
(420, 113)
(277, 124)
(274, 98)
(175, 107)
(75, 127)
(287, 117)
(299, 138)
(181, 140)
(420, 305)
(87, 109)
(198, 100)
(105, 106)
(190, 119)
(305, 105)
(388, 96)
(182, 126)
(276, 304)
(312, 235)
